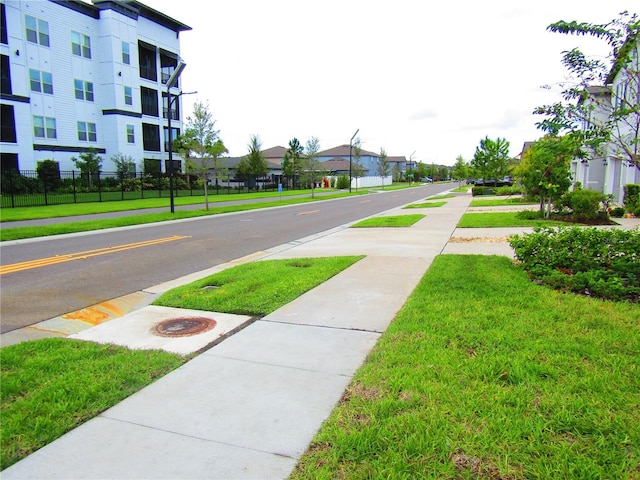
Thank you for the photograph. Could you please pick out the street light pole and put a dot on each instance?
(410, 165)
(350, 146)
(173, 79)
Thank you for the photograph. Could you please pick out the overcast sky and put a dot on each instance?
(432, 78)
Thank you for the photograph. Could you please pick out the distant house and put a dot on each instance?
(609, 171)
(334, 162)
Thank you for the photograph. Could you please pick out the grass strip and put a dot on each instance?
(50, 386)
(426, 205)
(483, 374)
(439, 197)
(256, 288)
(389, 221)
(500, 202)
(87, 208)
(503, 219)
(18, 233)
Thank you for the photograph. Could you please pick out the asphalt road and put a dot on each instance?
(52, 276)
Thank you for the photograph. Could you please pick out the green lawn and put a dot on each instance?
(426, 205)
(503, 219)
(499, 202)
(48, 387)
(256, 288)
(74, 209)
(389, 221)
(484, 374)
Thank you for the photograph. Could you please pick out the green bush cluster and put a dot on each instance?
(585, 204)
(475, 191)
(631, 198)
(509, 190)
(603, 263)
(342, 182)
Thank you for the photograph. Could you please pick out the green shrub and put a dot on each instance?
(585, 204)
(631, 198)
(603, 263)
(617, 212)
(509, 190)
(342, 182)
(483, 191)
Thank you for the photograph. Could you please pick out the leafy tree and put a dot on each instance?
(396, 173)
(383, 165)
(49, 173)
(254, 164)
(89, 163)
(201, 147)
(443, 172)
(421, 171)
(124, 164)
(599, 116)
(460, 169)
(544, 171)
(492, 158)
(357, 169)
(292, 161)
(311, 161)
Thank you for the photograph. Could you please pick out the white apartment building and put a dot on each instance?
(79, 76)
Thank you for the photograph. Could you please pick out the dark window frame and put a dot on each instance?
(7, 124)
(150, 137)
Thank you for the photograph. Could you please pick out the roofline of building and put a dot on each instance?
(129, 8)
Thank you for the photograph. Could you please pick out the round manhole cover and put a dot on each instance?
(184, 327)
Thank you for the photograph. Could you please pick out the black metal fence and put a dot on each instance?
(31, 188)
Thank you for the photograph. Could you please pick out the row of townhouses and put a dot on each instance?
(609, 170)
(334, 162)
(77, 76)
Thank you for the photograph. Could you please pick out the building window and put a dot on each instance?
(131, 136)
(149, 99)
(128, 96)
(152, 166)
(151, 137)
(80, 45)
(5, 75)
(126, 56)
(175, 132)
(168, 63)
(8, 121)
(83, 90)
(147, 61)
(37, 30)
(87, 132)
(174, 107)
(3, 25)
(44, 127)
(40, 81)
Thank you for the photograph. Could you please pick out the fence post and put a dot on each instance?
(73, 182)
(12, 189)
(44, 187)
(99, 186)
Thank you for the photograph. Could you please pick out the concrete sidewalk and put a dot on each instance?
(249, 406)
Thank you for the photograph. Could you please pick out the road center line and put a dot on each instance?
(307, 213)
(43, 262)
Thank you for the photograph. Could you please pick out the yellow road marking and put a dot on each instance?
(307, 213)
(365, 201)
(43, 262)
